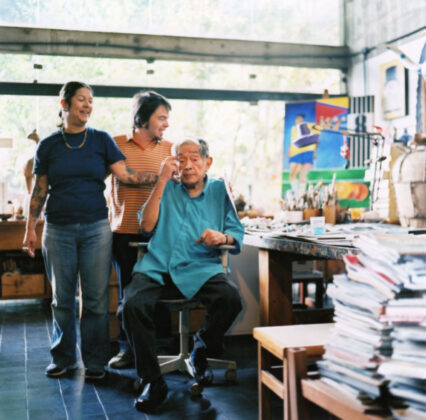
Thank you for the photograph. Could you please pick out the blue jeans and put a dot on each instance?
(70, 250)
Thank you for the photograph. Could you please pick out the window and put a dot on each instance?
(307, 21)
(245, 139)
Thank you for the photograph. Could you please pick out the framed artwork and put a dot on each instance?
(394, 90)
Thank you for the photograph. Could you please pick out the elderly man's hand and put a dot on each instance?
(169, 169)
(212, 238)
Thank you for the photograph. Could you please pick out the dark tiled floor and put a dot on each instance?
(26, 393)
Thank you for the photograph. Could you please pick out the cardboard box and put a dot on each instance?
(16, 284)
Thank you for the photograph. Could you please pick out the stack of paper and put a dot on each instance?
(379, 340)
(359, 341)
(406, 369)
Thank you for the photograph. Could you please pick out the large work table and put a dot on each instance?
(276, 257)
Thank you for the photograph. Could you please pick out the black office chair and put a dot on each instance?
(180, 362)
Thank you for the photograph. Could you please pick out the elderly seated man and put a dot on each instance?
(188, 215)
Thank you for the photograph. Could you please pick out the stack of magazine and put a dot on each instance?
(406, 368)
(377, 353)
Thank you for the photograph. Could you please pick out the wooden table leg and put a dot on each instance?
(264, 393)
(296, 362)
(319, 294)
(286, 400)
(275, 288)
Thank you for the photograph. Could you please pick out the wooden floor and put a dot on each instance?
(26, 393)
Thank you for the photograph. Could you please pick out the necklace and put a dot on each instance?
(74, 147)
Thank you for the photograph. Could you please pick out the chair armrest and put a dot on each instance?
(227, 247)
(224, 254)
(138, 244)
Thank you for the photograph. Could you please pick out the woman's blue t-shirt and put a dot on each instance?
(76, 176)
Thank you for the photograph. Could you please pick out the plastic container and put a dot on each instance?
(318, 225)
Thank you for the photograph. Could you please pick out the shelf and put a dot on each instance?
(16, 285)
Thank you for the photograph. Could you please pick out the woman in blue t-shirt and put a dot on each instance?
(70, 167)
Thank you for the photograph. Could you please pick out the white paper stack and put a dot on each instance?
(378, 347)
(406, 369)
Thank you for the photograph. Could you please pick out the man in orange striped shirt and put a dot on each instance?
(144, 149)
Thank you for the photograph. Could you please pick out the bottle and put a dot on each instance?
(10, 209)
(19, 213)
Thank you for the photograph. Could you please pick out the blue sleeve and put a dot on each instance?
(40, 160)
(113, 153)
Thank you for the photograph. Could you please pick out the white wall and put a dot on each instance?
(372, 22)
(245, 274)
(357, 86)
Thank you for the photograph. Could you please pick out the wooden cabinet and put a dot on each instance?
(113, 306)
(21, 277)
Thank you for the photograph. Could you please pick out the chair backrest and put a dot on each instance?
(142, 247)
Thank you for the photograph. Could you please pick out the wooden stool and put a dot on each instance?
(276, 341)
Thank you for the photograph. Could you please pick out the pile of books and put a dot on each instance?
(406, 369)
(377, 354)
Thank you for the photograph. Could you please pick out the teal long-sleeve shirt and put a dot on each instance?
(173, 249)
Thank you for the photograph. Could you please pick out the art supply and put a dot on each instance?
(356, 213)
(318, 225)
(330, 214)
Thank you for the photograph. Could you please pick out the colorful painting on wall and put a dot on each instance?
(313, 140)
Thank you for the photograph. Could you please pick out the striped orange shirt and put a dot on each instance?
(127, 200)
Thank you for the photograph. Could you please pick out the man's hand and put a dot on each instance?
(212, 238)
(169, 169)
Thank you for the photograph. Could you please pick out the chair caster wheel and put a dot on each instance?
(196, 389)
(231, 375)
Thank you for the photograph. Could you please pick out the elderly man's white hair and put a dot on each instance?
(203, 147)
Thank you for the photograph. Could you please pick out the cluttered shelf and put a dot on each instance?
(376, 354)
(336, 402)
(12, 234)
(373, 366)
(21, 276)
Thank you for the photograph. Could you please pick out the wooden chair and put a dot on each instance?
(275, 343)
